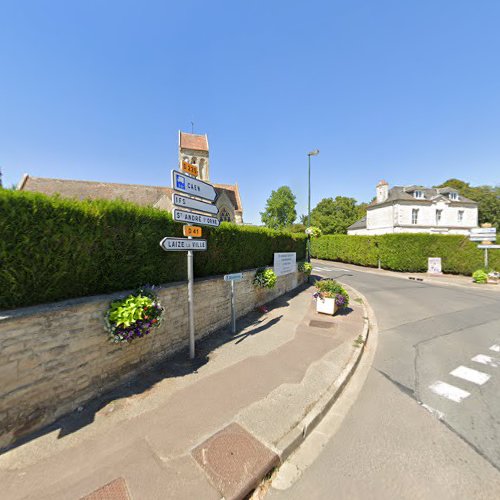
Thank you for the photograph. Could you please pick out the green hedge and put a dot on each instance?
(405, 252)
(53, 248)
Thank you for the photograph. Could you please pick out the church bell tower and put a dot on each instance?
(193, 148)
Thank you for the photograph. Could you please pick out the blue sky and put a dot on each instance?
(407, 91)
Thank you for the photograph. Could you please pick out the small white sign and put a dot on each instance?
(185, 202)
(489, 246)
(434, 265)
(285, 263)
(182, 244)
(192, 218)
(484, 230)
(192, 186)
(233, 277)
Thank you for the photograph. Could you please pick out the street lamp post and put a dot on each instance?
(311, 153)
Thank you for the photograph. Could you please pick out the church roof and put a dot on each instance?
(93, 190)
(193, 141)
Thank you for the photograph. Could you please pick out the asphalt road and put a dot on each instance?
(426, 422)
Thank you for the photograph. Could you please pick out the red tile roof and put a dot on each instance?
(193, 141)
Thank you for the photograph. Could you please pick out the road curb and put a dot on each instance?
(291, 441)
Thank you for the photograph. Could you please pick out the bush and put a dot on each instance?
(480, 276)
(404, 252)
(53, 248)
(305, 267)
(331, 289)
(265, 278)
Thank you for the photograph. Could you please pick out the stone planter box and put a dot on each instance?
(326, 306)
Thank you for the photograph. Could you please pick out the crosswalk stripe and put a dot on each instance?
(495, 348)
(449, 391)
(486, 360)
(470, 375)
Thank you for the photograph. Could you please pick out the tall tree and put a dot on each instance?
(280, 209)
(336, 215)
(487, 197)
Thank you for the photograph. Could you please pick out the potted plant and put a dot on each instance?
(330, 297)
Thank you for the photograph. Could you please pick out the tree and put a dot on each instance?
(280, 209)
(335, 216)
(487, 197)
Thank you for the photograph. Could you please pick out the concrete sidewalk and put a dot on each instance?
(208, 429)
(438, 279)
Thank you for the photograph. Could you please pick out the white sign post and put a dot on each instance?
(194, 218)
(285, 263)
(484, 234)
(233, 278)
(434, 265)
(193, 187)
(182, 244)
(185, 202)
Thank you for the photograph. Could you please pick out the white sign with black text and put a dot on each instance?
(434, 265)
(285, 263)
(192, 218)
(182, 244)
(192, 186)
(186, 202)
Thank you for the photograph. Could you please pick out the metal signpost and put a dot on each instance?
(191, 186)
(233, 278)
(485, 235)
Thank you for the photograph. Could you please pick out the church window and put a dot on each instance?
(224, 216)
(193, 160)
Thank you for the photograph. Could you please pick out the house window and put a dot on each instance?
(453, 196)
(418, 194)
(414, 216)
(460, 216)
(224, 216)
(439, 213)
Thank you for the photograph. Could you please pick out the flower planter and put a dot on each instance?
(326, 306)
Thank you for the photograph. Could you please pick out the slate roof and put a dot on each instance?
(135, 193)
(193, 141)
(405, 193)
(360, 224)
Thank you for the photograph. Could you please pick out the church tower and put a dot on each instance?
(193, 148)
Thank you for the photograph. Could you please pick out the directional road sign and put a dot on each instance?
(192, 186)
(189, 168)
(192, 218)
(484, 230)
(194, 231)
(233, 277)
(182, 244)
(488, 246)
(185, 202)
(486, 237)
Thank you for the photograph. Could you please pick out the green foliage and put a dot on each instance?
(313, 232)
(280, 209)
(488, 198)
(127, 311)
(265, 278)
(305, 267)
(135, 316)
(53, 248)
(332, 289)
(480, 276)
(335, 216)
(404, 252)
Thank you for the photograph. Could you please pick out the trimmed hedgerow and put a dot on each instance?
(53, 248)
(405, 252)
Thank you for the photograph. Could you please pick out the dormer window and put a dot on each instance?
(453, 196)
(418, 194)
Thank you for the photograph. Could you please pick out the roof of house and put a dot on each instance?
(193, 141)
(135, 193)
(359, 224)
(405, 193)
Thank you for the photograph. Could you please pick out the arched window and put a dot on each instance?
(193, 160)
(224, 216)
(201, 168)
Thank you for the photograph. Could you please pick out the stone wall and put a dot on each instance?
(55, 357)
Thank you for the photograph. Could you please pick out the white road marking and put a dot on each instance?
(495, 348)
(471, 375)
(449, 391)
(486, 360)
(331, 269)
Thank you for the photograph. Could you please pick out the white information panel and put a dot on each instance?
(434, 265)
(285, 263)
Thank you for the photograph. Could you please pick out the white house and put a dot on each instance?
(417, 209)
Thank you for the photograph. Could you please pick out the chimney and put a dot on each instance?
(382, 191)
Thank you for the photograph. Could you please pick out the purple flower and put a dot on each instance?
(340, 300)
